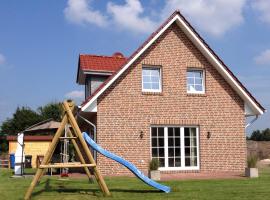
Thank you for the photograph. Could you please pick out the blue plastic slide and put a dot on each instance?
(127, 164)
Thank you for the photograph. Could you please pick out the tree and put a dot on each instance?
(3, 143)
(255, 135)
(51, 110)
(263, 135)
(22, 119)
(266, 134)
(25, 117)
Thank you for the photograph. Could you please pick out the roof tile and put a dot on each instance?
(101, 63)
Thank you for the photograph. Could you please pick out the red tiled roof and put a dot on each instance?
(101, 63)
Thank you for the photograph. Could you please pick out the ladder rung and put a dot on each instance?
(64, 154)
(67, 138)
(66, 165)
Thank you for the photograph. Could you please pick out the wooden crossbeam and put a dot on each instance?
(66, 165)
(75, 136)
(62, 138)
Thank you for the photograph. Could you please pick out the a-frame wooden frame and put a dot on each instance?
(75, 137)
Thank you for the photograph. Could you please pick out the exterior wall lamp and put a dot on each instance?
(141, 134)
(208, 135)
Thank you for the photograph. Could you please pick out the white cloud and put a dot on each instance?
(2, 59)
(263, 58)
(75, 94)
(263, 8)
(211, 16)
(81, 12)
(130, 16)
(215, 17)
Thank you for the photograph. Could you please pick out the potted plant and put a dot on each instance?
(252, 170)
(153, 168)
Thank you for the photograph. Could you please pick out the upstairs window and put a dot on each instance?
(151, 79)
(195, 81)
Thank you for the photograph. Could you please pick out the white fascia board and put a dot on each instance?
(94, 98)
(248, 111)
(97, 73)
(204, 50)
(221, 69)
(91, 108)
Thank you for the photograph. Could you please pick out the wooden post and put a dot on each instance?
(44, 170)
(68, 117)
(47, 157)
(78, 133)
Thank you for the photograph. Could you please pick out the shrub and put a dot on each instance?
(154, 164)
(252, 161)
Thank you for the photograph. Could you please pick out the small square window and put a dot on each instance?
(151, 79)
(195, 81)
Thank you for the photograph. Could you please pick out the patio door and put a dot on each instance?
(176, 148)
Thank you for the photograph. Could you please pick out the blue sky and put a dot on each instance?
(40, 42)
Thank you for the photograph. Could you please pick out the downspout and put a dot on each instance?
(95, 130)
(252, 121)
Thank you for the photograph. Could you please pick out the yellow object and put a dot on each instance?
(33, 148)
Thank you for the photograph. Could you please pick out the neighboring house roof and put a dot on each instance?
(251, 104)
(31, 138)
(48, 124)
(99, 64)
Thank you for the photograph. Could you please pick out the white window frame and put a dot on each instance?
(203, 81)
(182, 153)
(160, 78)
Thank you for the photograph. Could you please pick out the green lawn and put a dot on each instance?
(132, 188)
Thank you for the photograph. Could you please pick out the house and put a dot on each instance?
(37, 139)
(173, 99)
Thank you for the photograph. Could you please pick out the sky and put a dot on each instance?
(40, 42)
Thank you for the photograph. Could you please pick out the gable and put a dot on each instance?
(208, 53)
(126, 95)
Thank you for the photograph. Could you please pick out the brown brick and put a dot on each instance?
(124, 111)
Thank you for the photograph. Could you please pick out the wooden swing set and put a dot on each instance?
(75, 137)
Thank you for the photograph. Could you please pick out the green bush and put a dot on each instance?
(252, 161)
(154, 164)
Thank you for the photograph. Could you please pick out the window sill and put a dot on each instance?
(197, 94)
(179, 168)
(180, 171)
(152, 93)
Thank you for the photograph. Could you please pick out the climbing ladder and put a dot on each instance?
(75, 137)
(65, 150)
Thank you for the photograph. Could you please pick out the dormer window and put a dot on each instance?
(151, 79)
(195, 81)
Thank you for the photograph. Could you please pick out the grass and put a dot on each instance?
(132, 188)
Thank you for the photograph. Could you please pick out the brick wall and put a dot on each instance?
(124, 111)
(33, 148)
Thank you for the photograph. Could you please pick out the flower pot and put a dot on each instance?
(155, 175)
(252, 172)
